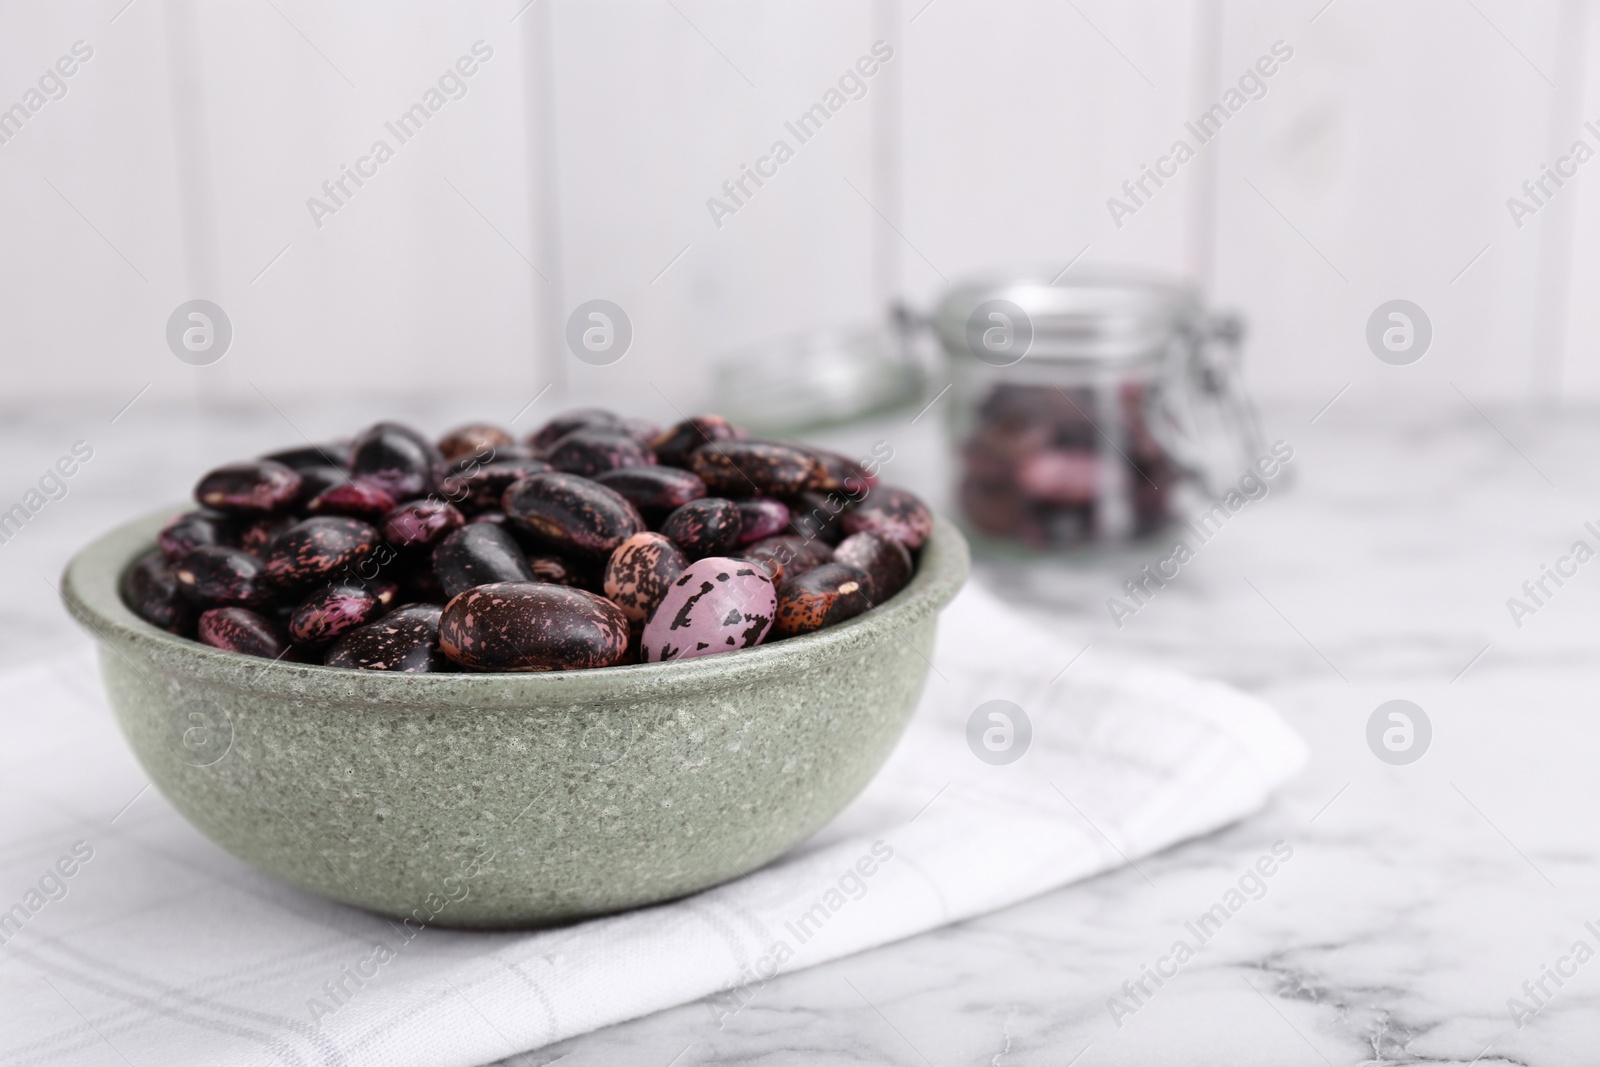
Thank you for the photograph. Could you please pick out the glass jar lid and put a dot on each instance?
(1103, 318)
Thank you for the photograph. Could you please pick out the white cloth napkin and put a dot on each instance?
(169, 951)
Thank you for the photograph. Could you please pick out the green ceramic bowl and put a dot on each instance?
(498, 800)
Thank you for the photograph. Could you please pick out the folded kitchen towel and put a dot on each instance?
(121, 926)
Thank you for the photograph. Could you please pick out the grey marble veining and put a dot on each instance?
(1418, 898)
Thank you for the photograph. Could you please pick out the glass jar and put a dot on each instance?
(1085, 411)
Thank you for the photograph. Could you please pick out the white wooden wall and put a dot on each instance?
(579, 163)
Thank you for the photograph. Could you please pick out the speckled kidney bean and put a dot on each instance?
(674, 445)
(405, 640)
(397, 458)
(709, 526)
(473, 437)
(761, 516)
(772, 565)
(815, 516)
(655, 491)
(357, 500)
(315, 551)
(571, 514)
(333, 610)
(151, 590)
(259, 487)
(894, 513)
(213, 575)
(314, 481)
(594, 451)
(642, 430)
(421, 523)
(640, 571)
(478, 554)
(329, 454)
(242, 630)
(256, 537)
(557, 428)
(821, 597)
(184, 533)
(886, 563)
(557, 570)
(716, 605)
(795, 553)
(754, 468)
(530, 626)
(482, 488)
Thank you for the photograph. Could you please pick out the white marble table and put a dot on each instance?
(1419, 898)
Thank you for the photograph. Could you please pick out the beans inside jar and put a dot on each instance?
(595, 541)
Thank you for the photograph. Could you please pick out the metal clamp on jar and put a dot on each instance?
(1083, 410)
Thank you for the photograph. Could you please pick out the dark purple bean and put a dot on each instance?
(405, 640)
(316, 551)
(494, 517)
(654, 490)
(840, 473)
(894, 513)
(420, 585)
(674, 445)
(706, 527)
(357, 500)
(482, 488)
(640, 571)
(397, 458)
(471, 461)
(593, 451)
(815, 516)
(332, 454)
(642, 430)
(315, 481)
(187, 532)
(242, 630)
(212, 576)
(151, 590)
(421, 523)
(761, 516)
(557, 428)
(885, 561)
(256, 538)
(473, 437)
(555, 570)
(750, 468)
(478, 554)
(332, 611)
(530, 626)
(820, 597)
(571, 515)
(259, 487)
(795, 553)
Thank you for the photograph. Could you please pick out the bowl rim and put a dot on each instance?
(91, 592)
